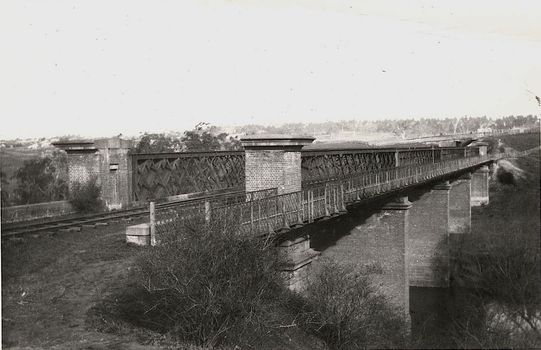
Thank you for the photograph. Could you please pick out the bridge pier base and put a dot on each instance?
(297, 257)
(377, 247)
(428, 244)
(460, 206)
(479, 187)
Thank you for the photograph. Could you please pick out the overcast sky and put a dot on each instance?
(99, 68)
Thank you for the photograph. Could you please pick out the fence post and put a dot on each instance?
(300, 209)
(285, 226)
(342, 199)
(310, 206)
(207, 211)
(152, 223)
(327, 214)
(335, 200)
(251, 217)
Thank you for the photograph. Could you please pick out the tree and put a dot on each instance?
(158, 143)
(40, 180)
(203, 137)
(196, 140)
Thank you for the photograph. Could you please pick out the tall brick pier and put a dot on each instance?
(274, 161)
(106, 161)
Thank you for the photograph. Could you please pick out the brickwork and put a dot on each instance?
(428, 244)
(459, 206)
(273, 169)
(377, 247)
(274, 162)
(479, 187)
(264, 169)
(108, 161)
(82, 167)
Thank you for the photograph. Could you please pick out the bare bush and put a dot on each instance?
(344, 309)
(85, 197)
(505, 299)
(206, 283)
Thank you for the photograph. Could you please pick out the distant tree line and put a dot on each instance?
(404, 128)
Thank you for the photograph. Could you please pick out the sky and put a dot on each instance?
(97, 68)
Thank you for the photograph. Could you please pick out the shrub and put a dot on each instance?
(505, 177)
(86, 197)
(344, 309)
(505, 271)
(205, 283)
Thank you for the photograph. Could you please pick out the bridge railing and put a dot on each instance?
(168, 216)
(281, 212)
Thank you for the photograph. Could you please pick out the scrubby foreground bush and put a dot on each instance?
(343, 308)
(85, 197)
(205, 283)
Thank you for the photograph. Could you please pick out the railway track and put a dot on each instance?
(80, 222)
(77, 223)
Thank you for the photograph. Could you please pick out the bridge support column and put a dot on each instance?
(107, 161)
(459, 206)
(377, 247)
(297, 257)
(479, 187)
(274, 162)
(428, 245)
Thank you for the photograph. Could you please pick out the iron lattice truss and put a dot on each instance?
(168, 174)
(324, 165)
(320, 166)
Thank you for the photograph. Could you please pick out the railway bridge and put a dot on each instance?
(392, 213)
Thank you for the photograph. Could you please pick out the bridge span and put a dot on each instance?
(392, 213)
(395, 222)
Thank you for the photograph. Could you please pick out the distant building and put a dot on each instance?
(486, 129)
(520, 129)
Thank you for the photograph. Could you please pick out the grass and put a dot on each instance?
(49, 282)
